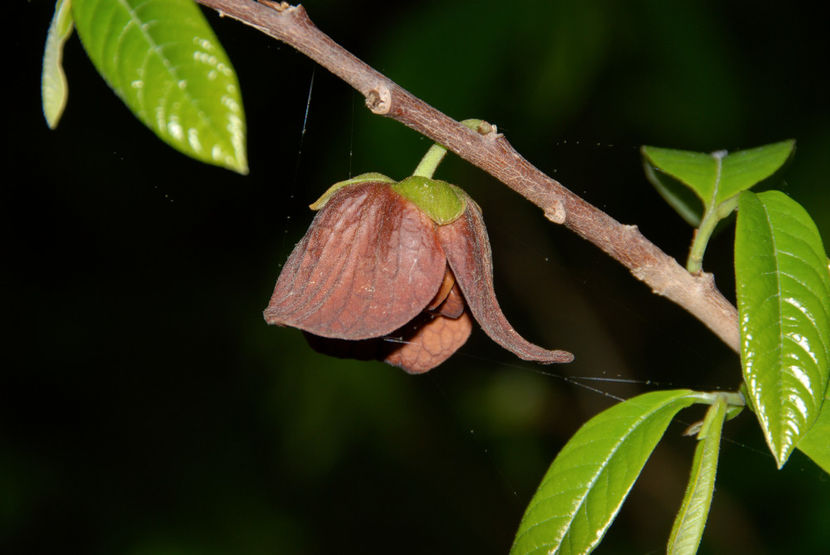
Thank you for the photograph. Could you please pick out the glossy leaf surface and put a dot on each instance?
(694, 511)
(816, 442)
(590, 478)
(783, 295)
(53, 87)
(163, 60)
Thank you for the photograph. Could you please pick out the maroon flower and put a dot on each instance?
(378, 276)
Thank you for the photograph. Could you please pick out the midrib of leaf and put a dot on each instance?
(778, 286)
(601, 469)
(158, 50)
(718, 156)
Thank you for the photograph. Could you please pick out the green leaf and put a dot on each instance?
(715, 178)
(694, 511)
(163, 60)
(53, 87)
(746, 168)
(816, 442)
(676, 194)
(590, 478)
(783, 292)
(697, 171)
(718, 176)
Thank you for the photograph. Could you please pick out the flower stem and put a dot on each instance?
(429, 163)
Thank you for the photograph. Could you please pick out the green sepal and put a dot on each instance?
(441, 201)
(369, 177)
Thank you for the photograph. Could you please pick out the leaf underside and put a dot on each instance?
(588, 481)
(783, 295)
(163, 60)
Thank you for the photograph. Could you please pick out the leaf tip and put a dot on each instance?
(241, 167)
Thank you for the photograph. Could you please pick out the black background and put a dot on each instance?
(145, 407)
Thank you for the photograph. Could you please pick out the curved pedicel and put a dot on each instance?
(467, 248)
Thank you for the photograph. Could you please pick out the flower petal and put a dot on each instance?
(453, 305)
(418, 347)
(467, 247)
(369, 263)
(447, 285)
(428, 341)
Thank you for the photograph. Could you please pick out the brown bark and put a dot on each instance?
(490, 151)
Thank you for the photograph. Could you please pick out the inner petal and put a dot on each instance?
(446, 286)
(428, 341)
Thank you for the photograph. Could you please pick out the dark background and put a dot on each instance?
(146, 408)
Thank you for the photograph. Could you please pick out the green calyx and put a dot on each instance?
(371, 177)
(441, 201)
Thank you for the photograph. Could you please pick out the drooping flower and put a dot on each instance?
(391, 271)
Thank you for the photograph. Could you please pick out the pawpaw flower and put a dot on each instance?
(393, 271)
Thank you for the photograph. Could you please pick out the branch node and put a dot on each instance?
(493, 153)
(555, 212)
(660, 285)
(379, 100)
(486, 128)
(278, 6)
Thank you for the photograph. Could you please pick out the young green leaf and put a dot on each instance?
(744, 169)
(816, 442)
(697, 171)
(53, 87)
(715, 178)
(163, 60)
(590, 478)
(694, 511)
(719, 176)
(675, 193)
(783, 295)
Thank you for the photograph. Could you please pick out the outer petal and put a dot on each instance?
(369, 264)
(467, 247)
(428, 341)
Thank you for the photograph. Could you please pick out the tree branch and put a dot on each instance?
(491, 152)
